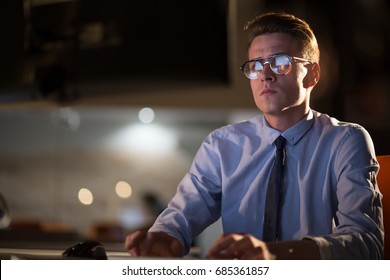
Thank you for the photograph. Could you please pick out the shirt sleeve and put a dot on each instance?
(197, 202)
(358, 231)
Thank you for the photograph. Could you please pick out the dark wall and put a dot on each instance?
(78, 43)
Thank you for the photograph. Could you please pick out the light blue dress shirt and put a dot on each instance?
(330, 189)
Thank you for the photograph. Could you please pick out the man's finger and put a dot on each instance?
(134, 241)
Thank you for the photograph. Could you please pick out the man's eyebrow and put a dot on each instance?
(260, 58)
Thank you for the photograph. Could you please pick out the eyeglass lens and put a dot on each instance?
(280, 64)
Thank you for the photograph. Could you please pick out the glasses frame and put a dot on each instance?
(265, 61)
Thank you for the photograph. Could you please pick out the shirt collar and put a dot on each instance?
(294, 133)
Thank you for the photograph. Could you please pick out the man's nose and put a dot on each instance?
(267, 74)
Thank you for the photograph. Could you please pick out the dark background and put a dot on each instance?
(54, 52)
(48, 48)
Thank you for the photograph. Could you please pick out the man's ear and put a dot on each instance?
(313, 75)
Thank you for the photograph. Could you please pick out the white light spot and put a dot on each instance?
(132, 217)
(146, 115)
(123, 189)
(144, 138)
(85, 196)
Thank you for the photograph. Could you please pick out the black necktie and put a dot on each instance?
(271, 214)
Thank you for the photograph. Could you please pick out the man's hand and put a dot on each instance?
(239, 246)
(246, 246)
(153, 244)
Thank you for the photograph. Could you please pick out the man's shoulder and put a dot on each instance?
(328, 125)
(244, 127)
(333, 122)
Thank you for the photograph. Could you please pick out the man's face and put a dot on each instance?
(277, 95)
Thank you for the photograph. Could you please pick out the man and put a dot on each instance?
(328, 205)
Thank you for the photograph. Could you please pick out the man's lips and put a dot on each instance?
(268, 92)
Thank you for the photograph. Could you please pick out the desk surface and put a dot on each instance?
(43, 254)
(52, 254)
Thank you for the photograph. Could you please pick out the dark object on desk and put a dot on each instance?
(86, 250)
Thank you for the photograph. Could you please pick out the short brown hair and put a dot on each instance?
(285, 23)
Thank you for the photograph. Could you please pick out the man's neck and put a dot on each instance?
(285, 120)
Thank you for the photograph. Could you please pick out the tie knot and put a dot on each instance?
(280, 142)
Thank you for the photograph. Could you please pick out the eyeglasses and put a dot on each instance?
(280, 64)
